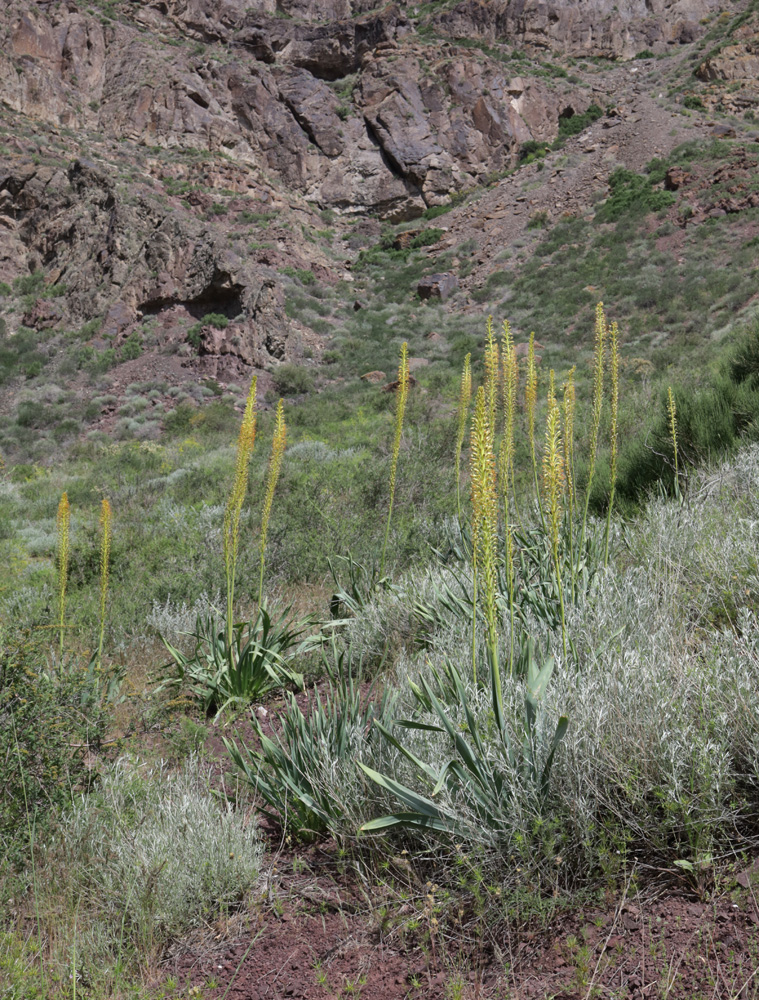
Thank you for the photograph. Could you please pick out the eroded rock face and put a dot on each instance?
(128, 261)
(403, 132)
(582, 28)
(337, 102)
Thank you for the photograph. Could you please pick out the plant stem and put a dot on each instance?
(614, 366)
(105, 553)
(400, 408)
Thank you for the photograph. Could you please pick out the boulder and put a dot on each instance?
(43, 315)
(675, 178)
(437, 286)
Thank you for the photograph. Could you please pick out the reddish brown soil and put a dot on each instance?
(319, 932)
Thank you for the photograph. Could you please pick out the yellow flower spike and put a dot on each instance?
(531, 399)
(484, 519)
(569, 406)
(510, 387)
(278, 445)
(492, 375)
(62, 523)
(553, 466)
(553, 489)
(465, 397)
(245, 441)
(672, 412)
(105, 557)
(400, 409)
(613, 431)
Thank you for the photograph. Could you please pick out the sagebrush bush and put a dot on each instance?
(292, 380)
(149, 855)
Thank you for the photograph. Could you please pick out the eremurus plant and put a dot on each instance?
(245, 442)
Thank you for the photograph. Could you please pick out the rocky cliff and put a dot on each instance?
(139, 137)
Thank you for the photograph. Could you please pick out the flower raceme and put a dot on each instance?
(510, 384)
(492, 376)
(484, 512)
(62, 522)
(245, 442)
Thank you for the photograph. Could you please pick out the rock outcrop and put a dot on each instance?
(582, 28)
(128, 261)
(403, 129)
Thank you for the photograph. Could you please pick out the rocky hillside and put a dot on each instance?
(171, 170)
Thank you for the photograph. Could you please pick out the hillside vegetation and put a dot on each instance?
(379, 491)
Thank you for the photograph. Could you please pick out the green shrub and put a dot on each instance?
(29, 284)
(532, 150)
(631, 195)
(426, 238)
(177, 422)
(710, 422)
(574, 124)
(32, 414)
(218, 320)
(694, 103)
(744, 366)
(5, 289)
(301, 274)
(292, 380)
(538, 220)
(435, 211)
(90, 329)
(131, 349)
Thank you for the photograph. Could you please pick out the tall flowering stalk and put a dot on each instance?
(568, 406)
(245, 442)
(484, 523)
(465, 397)
(613, 433)
(492, 375)
(62, 523)
(510, 385)
(105, 557)
(531, 399)
(672, 413)
(278, 445)
(400, 409)
(553, 489)
(510, 392)
(598, 396)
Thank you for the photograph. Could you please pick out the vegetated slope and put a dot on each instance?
(192, 193)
